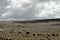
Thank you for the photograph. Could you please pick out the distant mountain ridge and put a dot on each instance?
(35, 21)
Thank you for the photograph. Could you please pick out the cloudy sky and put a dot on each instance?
(29, 9)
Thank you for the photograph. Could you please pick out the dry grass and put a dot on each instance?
(17, 31)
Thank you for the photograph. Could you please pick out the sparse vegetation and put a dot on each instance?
(29, 31)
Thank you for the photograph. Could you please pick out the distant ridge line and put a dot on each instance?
(35, 21)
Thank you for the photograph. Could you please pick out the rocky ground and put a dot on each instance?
(29, 31)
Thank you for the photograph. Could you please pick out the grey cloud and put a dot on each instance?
(28, 12)
(42, 1)
(3, 4)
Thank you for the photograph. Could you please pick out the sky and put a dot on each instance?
(11, 10)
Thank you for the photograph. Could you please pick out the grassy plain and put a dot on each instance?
(30, 31)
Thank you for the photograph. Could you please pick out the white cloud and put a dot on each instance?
(49, 9)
